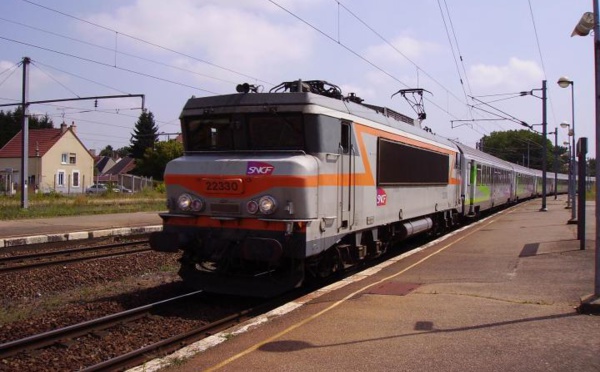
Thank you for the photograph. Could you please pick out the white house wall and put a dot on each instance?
(52, 164)
(45, 168)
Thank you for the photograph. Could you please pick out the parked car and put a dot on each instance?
(121, 188)
(97, 188)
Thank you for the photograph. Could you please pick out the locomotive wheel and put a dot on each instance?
(330, 263)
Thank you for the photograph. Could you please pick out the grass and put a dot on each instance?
(591, 194)
(55, 205)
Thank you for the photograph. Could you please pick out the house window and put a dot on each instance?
(64, 157)
(60, 178)
(72, 158)
(76, 179)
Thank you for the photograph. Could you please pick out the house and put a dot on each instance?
(119, 174)
(103, 163)
(57, 161)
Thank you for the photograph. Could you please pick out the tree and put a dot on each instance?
(10, 124)
(155, 160)
(123, 151)
(145, 134)
(591, 167)
(523, 147)
(107, 151)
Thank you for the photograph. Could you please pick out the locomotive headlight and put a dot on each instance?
(267, 204)
(197, 205)
(252, 207)
(184, 202)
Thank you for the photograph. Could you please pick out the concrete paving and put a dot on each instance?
(43, 230)
(500, 295)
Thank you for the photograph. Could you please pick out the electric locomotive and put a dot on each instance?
(299, 182)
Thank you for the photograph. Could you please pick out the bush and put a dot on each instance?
(160, 188)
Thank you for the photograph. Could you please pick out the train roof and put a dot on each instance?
(524, 170)
(331, 104)
(481, 156)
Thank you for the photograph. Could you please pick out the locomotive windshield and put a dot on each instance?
(253, 132)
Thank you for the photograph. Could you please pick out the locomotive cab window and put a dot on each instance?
(345, 140)
(244, 132)
(208, 134)
(276, 132)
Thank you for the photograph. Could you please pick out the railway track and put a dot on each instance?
(56, 257)
(61, 335)
(64, 338)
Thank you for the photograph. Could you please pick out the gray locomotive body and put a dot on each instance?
(301, 182)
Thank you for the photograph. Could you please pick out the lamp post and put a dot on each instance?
(555, 162)
(544, 132)
(572, 184)
(565, 82)
(588, 22)
(568, 144)
(544, 135)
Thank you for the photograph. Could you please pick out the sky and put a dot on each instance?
(472, 57)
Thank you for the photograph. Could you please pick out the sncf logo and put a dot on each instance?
(381, 197)
(259, 168)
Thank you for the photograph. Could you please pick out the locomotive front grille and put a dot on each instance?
(229, 208)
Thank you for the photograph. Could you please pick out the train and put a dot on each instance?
(301, 182)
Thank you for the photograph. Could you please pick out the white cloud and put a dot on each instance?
(518, 74)
(243, 35)
(11, 81)
(404, 47)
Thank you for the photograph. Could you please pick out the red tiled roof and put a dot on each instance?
(40, 139)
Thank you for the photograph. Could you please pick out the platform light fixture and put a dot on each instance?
(565, 82)
(590, 21)
(555, 162)
(570, 198)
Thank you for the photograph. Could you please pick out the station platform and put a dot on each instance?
(498, 295)
(43, 230)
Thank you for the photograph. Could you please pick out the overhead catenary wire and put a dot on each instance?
(463, 76)
(462, 62)
(11, 70)
(539, 48)
(390, 44)
(56, 80)
(148, 42)
(169, 49)
(460, 77)
(119, 52)
(81, 77)
(355, 53)
(107, 65)
(447, 109)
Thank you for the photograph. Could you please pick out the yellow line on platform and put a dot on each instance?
(339, 302)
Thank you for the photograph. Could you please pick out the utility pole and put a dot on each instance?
(25, 123)
(544, 162)
(25, 133)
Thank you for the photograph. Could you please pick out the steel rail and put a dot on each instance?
(68, 251)
(172, 344)
(25, 266)
(51, 337)
(169, 345)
